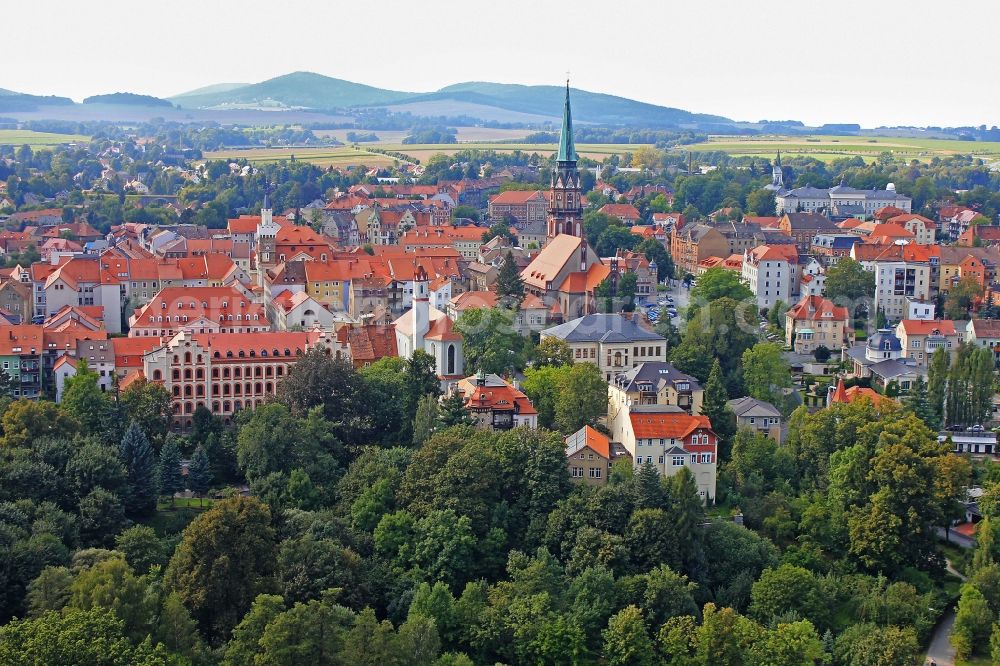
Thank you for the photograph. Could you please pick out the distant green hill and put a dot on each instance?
(315, 91)
(127, 99)
(588, 106)
(11, 100)
(299, 89)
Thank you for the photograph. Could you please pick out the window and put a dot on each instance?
(595, 472)
(706, 458)
(577, 472)
(694, 458)
(677, 461)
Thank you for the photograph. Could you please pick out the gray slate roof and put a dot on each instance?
(602, 328)
(741, 406)
(657, 373)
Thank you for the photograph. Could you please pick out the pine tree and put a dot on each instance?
(510, 286)
(425, 419)
(169, 470)
(937, 382)
(714, 406)
(917, 401)
(139, 460)
(452, 411)
(199, 472)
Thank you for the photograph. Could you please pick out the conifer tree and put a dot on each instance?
(199, 472)
(452, 411)
(937, 382)
(715, 408)
(169, 469)
(510, 286)
(136, 455)
(917, 401)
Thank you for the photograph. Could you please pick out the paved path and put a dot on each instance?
(940, 649)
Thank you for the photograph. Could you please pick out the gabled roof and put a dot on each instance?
(648, 424)
(817, 308)
(587, 437)
(741, 406)
(551, 260)
(627, 211)
(517, 197)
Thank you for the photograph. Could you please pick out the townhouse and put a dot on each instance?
(588, 452)
(771, 272)
(902, 273)
(920, 338)
(669, 439)
(655, 383)
(198, 310)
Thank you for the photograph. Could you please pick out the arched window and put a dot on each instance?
(176, 375)
(237, 372)
(253, 353)
(225, 389)
(177, 359)
(187, 391)
(257, 371)
(215, 406)
(258, 388)
(268, 371)
(451, 359)
(157, 375)
(187, 373)
(215, 373)
(215, 389)
(199, 390)
(227, 406)
(177, 391)
(199, 373)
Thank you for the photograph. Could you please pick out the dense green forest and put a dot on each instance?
(380, 528)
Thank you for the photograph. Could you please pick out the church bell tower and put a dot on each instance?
(565, 211)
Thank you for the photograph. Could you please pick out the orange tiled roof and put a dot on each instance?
(516, 197)
(812, 308)
(926, 327)
(667, 425)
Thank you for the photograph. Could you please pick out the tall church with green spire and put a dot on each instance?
(565, 214)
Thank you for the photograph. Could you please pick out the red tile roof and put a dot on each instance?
(517, 197)
(625, 211)
(813, 308)
(926, 327)
(667, 425)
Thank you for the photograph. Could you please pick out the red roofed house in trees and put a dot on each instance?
(589, 454)
(495, 404)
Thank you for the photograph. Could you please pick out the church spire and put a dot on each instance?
(567, 150)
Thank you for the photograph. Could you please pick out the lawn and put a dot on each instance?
(828, 148)
(22, 137)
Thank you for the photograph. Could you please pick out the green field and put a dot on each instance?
(345, 156)
(829, 148)
(340, 156)
(22, 137)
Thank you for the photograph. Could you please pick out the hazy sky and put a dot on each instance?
(876, 62)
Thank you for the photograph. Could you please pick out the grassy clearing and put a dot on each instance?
(22, 137)
(828, 148)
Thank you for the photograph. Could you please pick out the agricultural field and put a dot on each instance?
(465, 134)
(22, 137)
(344, 156)
(338, 156)
(829, 148)
(595, 151)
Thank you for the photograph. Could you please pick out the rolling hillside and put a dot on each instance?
(483, 100)
(298, 90)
